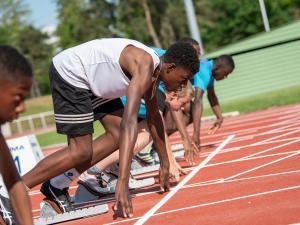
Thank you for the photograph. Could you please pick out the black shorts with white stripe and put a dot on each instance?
(75, 108)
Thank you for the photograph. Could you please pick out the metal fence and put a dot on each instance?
(28, 123)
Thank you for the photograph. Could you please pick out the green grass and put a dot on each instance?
(51, 138)
(267, 100)
(38, 105)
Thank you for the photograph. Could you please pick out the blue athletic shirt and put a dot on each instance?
(142, 111)
(204, 78)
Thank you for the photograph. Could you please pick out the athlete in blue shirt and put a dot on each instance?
(210, 70)
(177, 119)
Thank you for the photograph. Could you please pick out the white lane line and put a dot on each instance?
(252, 158)
(231, 199)
(261, 166)
(253, 136)
(233, 149)
(214, 203)
(270, 149)
(217, 181)
(106, 200)
(36, 192)
(228, 129)
(182, 183)
(278, 136)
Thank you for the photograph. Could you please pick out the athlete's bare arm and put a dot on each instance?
(138, 65)
(214, 103)
(197, 114)
(190, 150)
(157, 130)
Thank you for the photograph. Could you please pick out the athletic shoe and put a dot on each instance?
(145, 155)
(155, 157)
(59, 199)
(98, 184)
(6, 214)
(136, 164)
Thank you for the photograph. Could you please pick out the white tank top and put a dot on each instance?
(95, 66)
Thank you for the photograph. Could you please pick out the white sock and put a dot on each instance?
(64, 180)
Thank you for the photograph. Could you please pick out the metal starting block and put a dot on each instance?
(146, 169)
(49, 216)
(84, 194)
(178, 154)
(136, 184)
(154, 168)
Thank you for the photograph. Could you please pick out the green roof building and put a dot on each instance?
(265, 62)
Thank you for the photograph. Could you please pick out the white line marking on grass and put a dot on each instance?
(213, 203)
(182, 183)
(258, 167)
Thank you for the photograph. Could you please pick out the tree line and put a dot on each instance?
(153, 22)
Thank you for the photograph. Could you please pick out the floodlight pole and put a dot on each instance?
(264, 15)
(192, 22)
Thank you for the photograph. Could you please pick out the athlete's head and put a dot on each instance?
(15, 82)
(223, 66)
(180, 63)
(177, 99)
(194, 43)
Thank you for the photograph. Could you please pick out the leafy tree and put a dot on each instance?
(16, 31)
(13, 15)
(33, 43)
(80, 21)
(226, 21)
(167, 18)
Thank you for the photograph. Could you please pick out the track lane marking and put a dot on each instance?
(183, 182)
(213, 203)
(263, 165)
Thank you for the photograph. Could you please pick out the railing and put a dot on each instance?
(28, 123)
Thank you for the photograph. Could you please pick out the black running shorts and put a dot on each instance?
(75, 108)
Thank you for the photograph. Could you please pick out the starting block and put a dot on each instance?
(85, 194)
(154, 168)
(146, 169)
(136, 184)
(178, 154)
(50, 216)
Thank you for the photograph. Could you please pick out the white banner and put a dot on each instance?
(26, 153)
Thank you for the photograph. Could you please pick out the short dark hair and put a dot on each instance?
(226, 60)
(183, 54)
(13, 64)
(189, 40)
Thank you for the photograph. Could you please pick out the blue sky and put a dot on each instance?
(42, 12)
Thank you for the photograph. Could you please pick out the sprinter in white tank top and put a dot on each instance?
(111, 68)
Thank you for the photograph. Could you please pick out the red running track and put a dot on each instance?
(255, 179)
